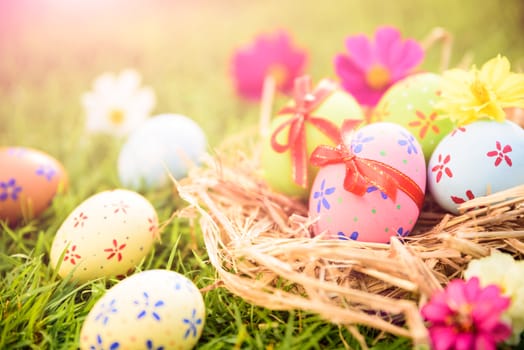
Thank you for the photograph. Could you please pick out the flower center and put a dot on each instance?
(378, 76)
(278, 72)
(478, 89)
(462, 320)
(116, 116)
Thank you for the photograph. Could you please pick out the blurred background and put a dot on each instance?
(52, 50)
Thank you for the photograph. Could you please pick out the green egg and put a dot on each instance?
(411, 103)
(277, 167)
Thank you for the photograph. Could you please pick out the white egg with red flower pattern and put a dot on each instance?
(474, 160)
(374, 216)
(106, 235)
(154, 309)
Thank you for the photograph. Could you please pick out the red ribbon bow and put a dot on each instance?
(362, 173)
(306, 101)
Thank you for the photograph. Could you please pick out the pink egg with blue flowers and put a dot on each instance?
(380, 151)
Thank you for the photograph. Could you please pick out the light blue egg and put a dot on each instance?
(167, 143)
(474, 160)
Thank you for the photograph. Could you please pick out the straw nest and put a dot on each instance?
(259, 242)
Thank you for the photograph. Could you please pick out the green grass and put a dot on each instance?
(182, 52)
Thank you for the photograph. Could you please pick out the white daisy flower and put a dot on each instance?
(117, 104)
(501, 269)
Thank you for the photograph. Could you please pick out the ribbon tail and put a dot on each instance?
(277, 146)
(409, 187)
(354, 182)
(348, 127)
(327, 127)
(287, 110)
(391, 180)
(299, 155)
(378, 175)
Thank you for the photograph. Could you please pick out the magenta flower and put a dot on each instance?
(268, 55)
(466, 316)
(371, 67)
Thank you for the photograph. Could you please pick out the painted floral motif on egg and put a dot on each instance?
(411, 102)
(373, 215)
(106, 235)
(474, 160)
(154, 309)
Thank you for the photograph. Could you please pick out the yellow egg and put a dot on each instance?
(154, 309)
(106, 235)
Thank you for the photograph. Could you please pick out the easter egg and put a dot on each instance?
(373, 215)
(474, 160)
(277, 169)
(154, 309)
(106, 235)
(167, 143)
(29, 179)
(411, 103)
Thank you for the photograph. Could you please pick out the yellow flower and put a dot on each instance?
(501, 269)
(471, 95)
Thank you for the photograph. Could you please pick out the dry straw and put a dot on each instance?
(259, 242)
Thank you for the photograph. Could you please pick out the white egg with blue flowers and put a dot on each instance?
(154, 309)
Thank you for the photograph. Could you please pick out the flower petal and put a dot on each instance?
(490, 269)
(249, 73)
(435, 311)
(485, 342)
(501, 332)
(511, 90)
(495, 71)
(142, 101)
(492, 110)
(455, 292)
(464, 341)
(348, 70)
(361, 51)
(411, 55)
(353, 81)
(251, 64)
(388, 46)
(442, 338)
(128, 81)
(364, 95)
(104, 84)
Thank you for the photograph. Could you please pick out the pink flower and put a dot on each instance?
(466, 316)
(371, 67)
(271, 55)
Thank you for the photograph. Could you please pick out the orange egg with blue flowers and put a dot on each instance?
(29, 180)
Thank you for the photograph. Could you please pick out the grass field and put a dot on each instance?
(51, 51)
